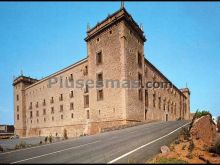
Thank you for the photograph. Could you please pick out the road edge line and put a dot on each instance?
(128, 153)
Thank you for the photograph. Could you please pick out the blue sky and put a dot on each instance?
(40, 38)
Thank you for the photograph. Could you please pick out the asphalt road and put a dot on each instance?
(130, 145)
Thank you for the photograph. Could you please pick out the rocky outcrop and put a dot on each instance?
(204, 129)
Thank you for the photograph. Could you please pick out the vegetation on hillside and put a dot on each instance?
(199, 114)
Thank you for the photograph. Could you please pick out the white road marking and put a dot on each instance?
(54, 152)
(122, 156)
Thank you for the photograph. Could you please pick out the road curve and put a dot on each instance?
(130, 145)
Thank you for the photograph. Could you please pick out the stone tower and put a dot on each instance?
(113, 47)
(20, 83)
(186, 92)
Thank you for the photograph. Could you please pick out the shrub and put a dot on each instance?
(41, 142)
(185, 132)
(21, 145)
(50, 139)
(45, 139)
(191, 146)
(65, 134)
(199, 114)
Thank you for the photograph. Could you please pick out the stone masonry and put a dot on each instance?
(115, 51)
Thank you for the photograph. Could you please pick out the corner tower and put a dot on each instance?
(114, 47)
(20, 83)
(186, 93)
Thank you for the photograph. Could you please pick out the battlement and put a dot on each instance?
(25, 80)
(118, 16)
(185, 90)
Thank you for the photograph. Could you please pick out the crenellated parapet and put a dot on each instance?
(25, 80)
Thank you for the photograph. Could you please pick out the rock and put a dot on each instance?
(204, 159)
(214, 155)
(165, 150)
(177, 142)
(189, 156)
(204, 129)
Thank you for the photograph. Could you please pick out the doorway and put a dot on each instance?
(145, 114)
(166, 117)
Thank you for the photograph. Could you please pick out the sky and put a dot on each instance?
(183, 42)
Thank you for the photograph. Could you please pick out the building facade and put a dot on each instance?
(115, 51)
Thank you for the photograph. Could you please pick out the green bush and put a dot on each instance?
(50, 139)
(199, 114)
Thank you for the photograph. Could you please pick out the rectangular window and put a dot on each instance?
(140, 79)
(17, 108)
(99, 78)
(61, 108)
(44, 111)
(140, 95)
(44, 102)
(72, 116)
(17, 97)
(61, 97)
(71, 94)
(168, 106)
(175, 109)
(86, 101)
(139, 59)
(154, 100)
(86, 90)
(37, 113)
(71, 77)
(146, 98)
(61, 116)
(159, 102)
(30, 107)
(36, 105)
(31, 115)
(17, 116)
(88, 114)
(164, 105)
(52, 110)
(99, 58)
(100, 94)
(71, 106)
(51, 101)
(85, 72)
